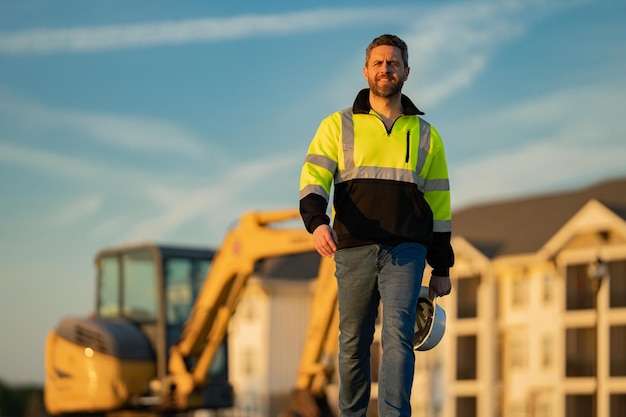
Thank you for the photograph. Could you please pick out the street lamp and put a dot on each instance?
(598, 270)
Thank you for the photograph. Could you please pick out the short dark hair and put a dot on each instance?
(389, 40)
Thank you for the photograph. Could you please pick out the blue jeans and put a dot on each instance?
(367, 275)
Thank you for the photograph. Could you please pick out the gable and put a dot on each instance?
(593, 225)
(524, 226)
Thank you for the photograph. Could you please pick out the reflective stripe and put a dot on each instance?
(442, 225)
(314, 189)
(322, 162)
(437, 185)
(347, 138)
(424, 145)
(378, 173)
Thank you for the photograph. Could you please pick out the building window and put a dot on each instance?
(248, 309)
(518, 347)
(248, 361)
(518, 408)
(580, 352)
(617, 279)
(546, 351)
(519, 297)
(466, 349)
(466, 407)
(467, 297)
(547, 288)
(579, 295)
(617, 405)
(618, 350)
(579, 405)
(540, 404)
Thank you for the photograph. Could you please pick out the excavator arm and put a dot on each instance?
(253, 239)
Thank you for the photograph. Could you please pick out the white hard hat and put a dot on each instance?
(430, 322)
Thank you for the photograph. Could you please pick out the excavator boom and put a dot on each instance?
(256, 237)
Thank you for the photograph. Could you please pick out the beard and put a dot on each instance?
(386, 91)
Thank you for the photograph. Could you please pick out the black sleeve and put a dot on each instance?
(440, 254)
(313, 211)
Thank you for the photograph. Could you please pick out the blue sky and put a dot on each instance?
(157, 120)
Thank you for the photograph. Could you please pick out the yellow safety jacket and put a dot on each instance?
(389, 186)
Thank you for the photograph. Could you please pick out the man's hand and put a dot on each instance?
(439, 286)
(325, 240)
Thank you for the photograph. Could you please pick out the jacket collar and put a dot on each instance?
(362, 104)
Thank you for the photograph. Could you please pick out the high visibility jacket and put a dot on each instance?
(389, 186)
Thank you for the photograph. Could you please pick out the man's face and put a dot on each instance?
(385, 72)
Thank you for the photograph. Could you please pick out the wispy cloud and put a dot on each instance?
(450, 46)
(110, 37)
(110, 130)
(536, 169)
(47, 162)
(556, 144)
(78, 209)
(219, 201)
(173, 206)
(586, 116)
(78, 169)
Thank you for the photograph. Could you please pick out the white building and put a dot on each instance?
(267, 333)
(528, 334)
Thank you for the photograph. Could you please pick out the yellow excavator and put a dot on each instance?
(156, 343)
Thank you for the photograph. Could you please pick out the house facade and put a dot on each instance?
(536, 322)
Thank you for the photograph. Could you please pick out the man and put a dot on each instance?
(392, 214)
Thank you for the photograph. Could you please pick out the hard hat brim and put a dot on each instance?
(430, 322)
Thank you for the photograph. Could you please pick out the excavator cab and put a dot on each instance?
(144, 296)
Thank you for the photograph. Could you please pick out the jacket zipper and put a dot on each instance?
(408, 146)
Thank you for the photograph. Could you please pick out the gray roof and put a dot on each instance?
(524, 225)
